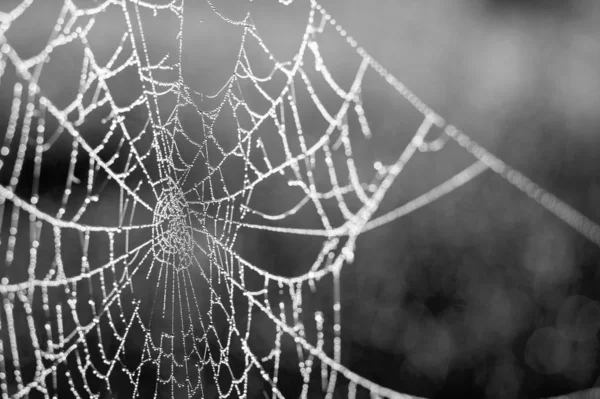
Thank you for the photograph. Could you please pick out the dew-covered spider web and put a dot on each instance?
(131, 265)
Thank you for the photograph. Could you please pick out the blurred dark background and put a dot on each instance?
(482, 293)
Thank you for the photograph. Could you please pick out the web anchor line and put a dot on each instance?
(572, 217)
(170, 283)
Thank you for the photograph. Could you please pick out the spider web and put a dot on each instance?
(139, 253)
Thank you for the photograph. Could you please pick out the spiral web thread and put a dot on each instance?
(178, 231)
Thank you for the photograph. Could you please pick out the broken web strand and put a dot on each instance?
(355, 225)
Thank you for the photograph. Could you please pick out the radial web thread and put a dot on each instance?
(168, 243)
